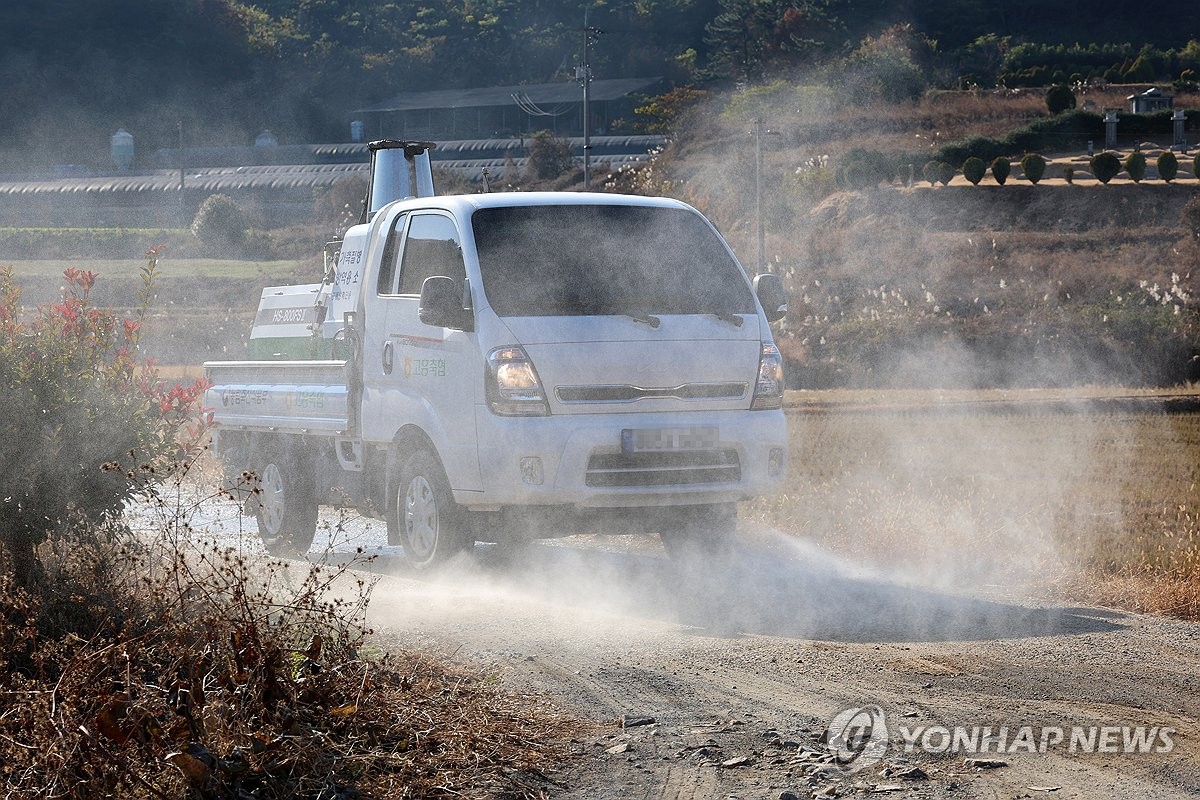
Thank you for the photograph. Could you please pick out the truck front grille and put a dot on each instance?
(675, 468)
(625, 393)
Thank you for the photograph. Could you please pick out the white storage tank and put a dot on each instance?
(122, 150)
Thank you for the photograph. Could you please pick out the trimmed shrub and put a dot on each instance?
(1135, 165)
(1168, 166)
(220, 223)
(1069, 174)
(1060, 98)
(1001, 169)
(861, 168)
(1105, 166)
(1034, 167)
(932, 172)
(974, 169)
(946, 173)
(1069, 129)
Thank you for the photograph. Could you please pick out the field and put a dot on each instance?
(127, 269)
(204, 307)
(1091, 500)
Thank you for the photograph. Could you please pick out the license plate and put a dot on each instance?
(657, 440)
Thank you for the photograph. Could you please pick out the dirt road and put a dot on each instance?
(741, 674)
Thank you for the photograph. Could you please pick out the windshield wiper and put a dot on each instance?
(645, 319)
(733, 319)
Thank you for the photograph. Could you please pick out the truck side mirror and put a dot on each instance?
(441, 304)
(768, 288)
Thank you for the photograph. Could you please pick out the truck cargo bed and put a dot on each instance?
(297, 396)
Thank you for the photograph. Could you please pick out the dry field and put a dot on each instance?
(1097, 502)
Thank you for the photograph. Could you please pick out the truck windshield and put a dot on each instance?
(582, 260)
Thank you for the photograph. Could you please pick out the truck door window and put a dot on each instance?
(432, 247)
(391, 257)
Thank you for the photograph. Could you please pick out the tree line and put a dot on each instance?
(220, 71)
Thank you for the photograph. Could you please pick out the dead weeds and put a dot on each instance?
(168, 668)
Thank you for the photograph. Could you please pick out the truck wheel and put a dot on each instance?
(422, 515)
(700, 532)
(286, 510)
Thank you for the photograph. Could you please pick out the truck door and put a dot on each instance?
(415, 373)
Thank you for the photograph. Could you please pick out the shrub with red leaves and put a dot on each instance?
(88, 425)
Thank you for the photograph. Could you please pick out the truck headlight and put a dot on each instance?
(768, 389)
(513, 386)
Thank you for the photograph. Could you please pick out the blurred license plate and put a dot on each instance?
(656, 440)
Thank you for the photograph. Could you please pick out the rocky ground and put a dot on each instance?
(704, 688)
(721, 684)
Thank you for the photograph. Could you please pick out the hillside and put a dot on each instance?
(993, 286)
(948, 286)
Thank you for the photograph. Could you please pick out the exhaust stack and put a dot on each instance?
(399, 170)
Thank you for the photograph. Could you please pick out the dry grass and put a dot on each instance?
(1101, 506)
(168, 667)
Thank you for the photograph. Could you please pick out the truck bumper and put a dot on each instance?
(602, 461)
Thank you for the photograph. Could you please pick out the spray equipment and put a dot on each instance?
(399, 170)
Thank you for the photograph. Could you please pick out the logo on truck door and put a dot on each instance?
(424, 367)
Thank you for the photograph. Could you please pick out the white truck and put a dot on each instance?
(507, 366)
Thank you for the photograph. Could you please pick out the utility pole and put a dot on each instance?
(181, 168)
(583, 74)
(758, 133)
(179, 127)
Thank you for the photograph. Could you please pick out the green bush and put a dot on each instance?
(220, 223)
(549, 156)
(946, 173)
(1105, 166)
(1141, 71)
(1001, 168)
(813, 183)
(1060, 98)
(1069, 174)
(1070, 129)
(1034, 167)
(860, 168)
(88, 427)
(663, 113)
(1135, 165)
(974, 169)
(1168, 166)
(932, 172)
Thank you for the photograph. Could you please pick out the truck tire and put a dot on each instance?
(286, 507)
(422, 515)
(700, 532)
